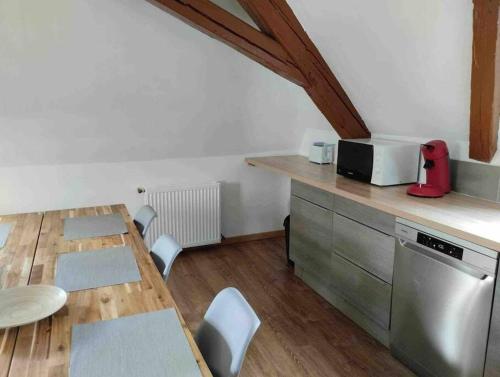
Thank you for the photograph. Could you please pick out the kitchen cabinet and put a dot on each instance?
(364, 246)
(312, 194)
(310, 240)
(368, 294)
(368, 216)
(345, 252)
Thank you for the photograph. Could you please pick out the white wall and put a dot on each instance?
(99, 97)
(406, 64)
(253, 200)
(121, 80)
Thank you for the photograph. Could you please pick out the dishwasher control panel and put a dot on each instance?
(440, 245)
(447, 245)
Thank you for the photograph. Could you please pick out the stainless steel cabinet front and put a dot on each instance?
(440, 313)
(493, 355)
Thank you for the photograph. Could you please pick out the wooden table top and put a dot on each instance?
(16, 259)
(42, 349)
(472, 219)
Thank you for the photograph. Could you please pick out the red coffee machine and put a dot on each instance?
(437, 168)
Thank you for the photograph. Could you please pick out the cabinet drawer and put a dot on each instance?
(367, 293)
(336, 299)
(364, 246)
(312, 194)
(369, 216)
(310, 235)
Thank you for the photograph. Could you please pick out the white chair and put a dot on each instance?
(143, 219)
(226, 331)
(164, 252)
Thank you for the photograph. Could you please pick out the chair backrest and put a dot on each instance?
(226, 331)
(143, 219)
(163, 253)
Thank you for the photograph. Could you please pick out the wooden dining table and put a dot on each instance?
(42, 349)
(16, 260)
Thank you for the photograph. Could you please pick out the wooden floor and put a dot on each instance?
(301, 334)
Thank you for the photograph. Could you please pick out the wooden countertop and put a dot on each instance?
(43, 348)
(472, 219)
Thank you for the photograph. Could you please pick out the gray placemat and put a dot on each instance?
(144, 345)
(76, 228)
(96, 268)
(4, 233)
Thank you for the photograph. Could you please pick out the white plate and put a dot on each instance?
(22, 305)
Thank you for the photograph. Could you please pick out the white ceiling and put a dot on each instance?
(116, 80)
(405, 63)
(119, 80)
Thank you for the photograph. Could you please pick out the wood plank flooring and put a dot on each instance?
(301, 333)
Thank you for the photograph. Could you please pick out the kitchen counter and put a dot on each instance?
(472, 219)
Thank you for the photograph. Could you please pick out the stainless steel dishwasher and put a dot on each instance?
(441, 304)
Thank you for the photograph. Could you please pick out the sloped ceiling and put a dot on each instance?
(121, 80)
(406, 65)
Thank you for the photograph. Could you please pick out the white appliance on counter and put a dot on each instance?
(321, 153)
(379, 162)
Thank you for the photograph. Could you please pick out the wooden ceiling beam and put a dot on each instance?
(229, 29)
(278, 19)
(327, 73)
(485, 85)
(254, 15)
(282, 45)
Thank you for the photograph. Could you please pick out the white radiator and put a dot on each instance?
(190, 213)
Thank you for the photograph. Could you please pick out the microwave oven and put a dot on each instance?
(379, 162)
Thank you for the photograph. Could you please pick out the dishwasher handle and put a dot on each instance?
(450, 261)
